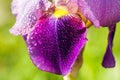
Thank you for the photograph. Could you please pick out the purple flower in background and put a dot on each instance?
(54, 34)
(103, 13)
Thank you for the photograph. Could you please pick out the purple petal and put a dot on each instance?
(72, 6)
(27, 12)
(54, 44)
(18, 6)
(101, 12)
(109, 60)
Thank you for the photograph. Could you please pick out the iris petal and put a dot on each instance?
(70, 4)
(54, 44)
(101, 12)
(27, 12)
(109, 60)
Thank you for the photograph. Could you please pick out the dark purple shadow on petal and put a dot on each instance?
(71, 39)
(54, 44)
(108, 60)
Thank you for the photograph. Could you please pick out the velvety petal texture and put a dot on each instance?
(54, 44)
(109, 60)
(101, 12)
(27, 12)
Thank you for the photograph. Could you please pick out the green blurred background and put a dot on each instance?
(15, 63)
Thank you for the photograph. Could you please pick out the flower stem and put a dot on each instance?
(75, 69)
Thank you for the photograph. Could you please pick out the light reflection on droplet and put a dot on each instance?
(35, 44)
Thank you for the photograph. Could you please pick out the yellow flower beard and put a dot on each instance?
(60, 11)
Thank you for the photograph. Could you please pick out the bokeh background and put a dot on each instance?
(15, 63)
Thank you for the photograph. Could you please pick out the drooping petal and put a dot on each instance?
(101, 12)
(27, 12)
(54, 44)
(109, 60)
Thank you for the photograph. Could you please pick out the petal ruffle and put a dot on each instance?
(54, 44)
(109, 60)
(101, 12)
(18, 6)
(27, 12)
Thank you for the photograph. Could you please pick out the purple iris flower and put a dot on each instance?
(55, 34)
(54, 39)
(103, 13)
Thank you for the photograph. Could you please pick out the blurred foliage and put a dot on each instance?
(15, 63)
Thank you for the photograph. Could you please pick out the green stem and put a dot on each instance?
(75, 69)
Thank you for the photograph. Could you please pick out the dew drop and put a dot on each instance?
(38, 65)
(35, 44)
(31, 38)
(35, 32)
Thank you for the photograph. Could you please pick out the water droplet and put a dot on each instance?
(35, 44)
(31, 38)
(38, 65)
